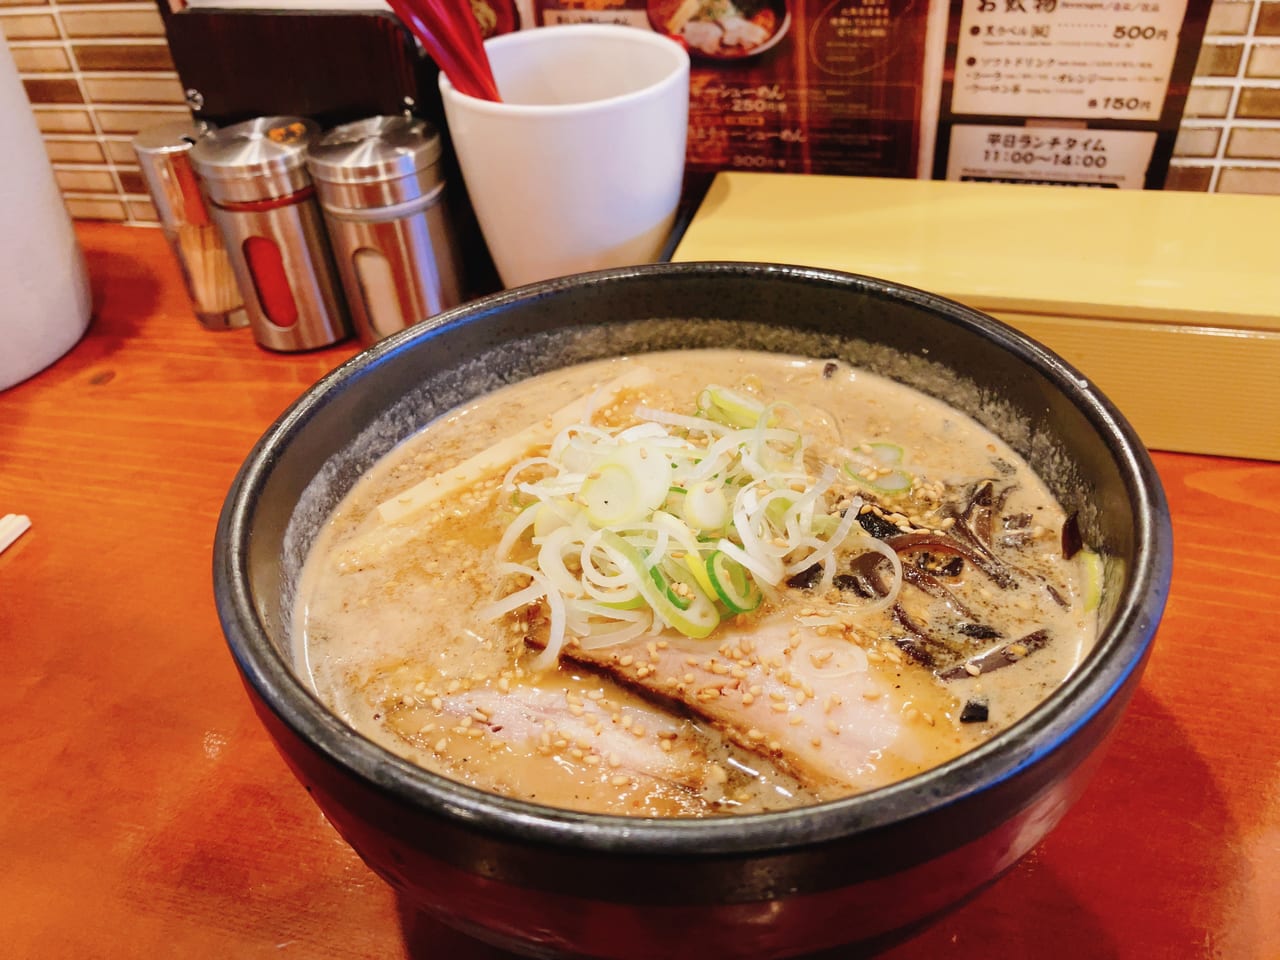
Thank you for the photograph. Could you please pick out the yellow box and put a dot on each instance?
(1168, 302)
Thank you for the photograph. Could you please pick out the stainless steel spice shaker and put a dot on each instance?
(164, 155)
(382, 191)
(254, 176)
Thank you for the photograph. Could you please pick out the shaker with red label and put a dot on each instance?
(260, 195)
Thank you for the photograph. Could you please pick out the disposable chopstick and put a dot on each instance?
(450, 33)
(12, 526)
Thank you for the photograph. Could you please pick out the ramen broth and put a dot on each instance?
(717, 680)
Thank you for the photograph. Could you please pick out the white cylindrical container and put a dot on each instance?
(581, 165)
(44, 288)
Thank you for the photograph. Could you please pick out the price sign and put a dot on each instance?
(1054, 155)
(1083, 59)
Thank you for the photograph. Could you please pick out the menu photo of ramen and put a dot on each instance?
(722, 29)
(495, 16)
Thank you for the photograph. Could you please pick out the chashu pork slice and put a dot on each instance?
(613, 757)
(812, 703)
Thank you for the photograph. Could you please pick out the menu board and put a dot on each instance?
(1080, 92)
(1057, 58)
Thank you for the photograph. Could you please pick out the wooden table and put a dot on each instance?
(143, 813)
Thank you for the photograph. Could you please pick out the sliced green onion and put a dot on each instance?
(551, 550)
(896, 481)
(552, 515)
(633, 602)
(675, 499)
(706, 507)
(697, 620)
(677, 521)
(692, 424)
(732, 584)
(538, 589)
(886, 454)
(779, 506)
(764, 569)
(617, 627)
(689, 543)
(729, 407)
(523, 522)
(1093, 578)
(878, 458)
(627, 487)
(667, 585)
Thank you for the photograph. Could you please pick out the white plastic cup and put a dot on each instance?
(581, 165)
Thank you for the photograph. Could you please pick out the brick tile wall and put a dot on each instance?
(95, 74)
(1230, 136)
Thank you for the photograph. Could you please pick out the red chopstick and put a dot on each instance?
(450, 33)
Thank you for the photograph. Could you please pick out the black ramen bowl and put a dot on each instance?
(548, 882)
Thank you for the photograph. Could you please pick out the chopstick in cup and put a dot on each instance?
(459, 33)
(450, 33)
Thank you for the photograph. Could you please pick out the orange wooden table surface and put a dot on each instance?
(144, 814)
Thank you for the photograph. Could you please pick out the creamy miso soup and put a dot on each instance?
(693, 583)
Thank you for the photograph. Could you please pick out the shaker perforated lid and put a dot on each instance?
(176, 137)
(376, 162)
(261, 159)
(163, 156)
